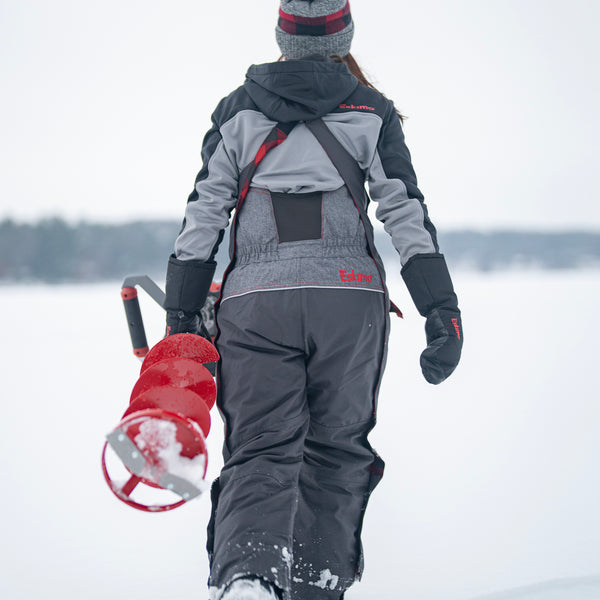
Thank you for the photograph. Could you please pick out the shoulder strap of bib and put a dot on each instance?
(276, 136)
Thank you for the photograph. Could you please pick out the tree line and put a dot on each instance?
(55, 251)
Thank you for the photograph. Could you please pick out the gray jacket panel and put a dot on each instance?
(402, 216)
(209, 214)
(299, 165)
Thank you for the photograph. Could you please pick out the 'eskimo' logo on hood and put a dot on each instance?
(353, 107)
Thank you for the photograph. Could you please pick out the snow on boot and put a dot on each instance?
(250, 589)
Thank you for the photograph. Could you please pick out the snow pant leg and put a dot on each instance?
(262, 399)
(340, 468)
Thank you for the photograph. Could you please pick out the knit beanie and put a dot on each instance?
(322, 27)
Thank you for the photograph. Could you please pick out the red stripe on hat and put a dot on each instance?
(323, 20)
(334, 27)
(341, 13)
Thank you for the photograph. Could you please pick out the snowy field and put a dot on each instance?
(492, 484)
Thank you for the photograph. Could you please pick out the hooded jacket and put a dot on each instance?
(362, 119)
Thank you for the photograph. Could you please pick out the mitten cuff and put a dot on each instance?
(427, 278)
(187, 285)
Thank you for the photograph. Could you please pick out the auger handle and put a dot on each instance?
(133, 313)
(135, 322)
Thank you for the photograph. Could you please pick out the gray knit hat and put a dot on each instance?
(322, 27)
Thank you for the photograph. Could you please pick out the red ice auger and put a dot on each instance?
(161, 437)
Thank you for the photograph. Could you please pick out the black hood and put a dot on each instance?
(299, 90)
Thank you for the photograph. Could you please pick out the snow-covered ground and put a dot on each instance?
(492, 478)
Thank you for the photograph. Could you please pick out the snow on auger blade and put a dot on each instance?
(161, 438)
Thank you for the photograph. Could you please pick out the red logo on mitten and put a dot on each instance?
(456, 327)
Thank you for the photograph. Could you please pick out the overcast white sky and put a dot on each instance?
(104, 104)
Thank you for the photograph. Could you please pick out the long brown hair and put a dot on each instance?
(355, 69)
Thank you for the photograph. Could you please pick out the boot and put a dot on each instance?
(250, 589)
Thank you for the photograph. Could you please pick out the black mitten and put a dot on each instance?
(443, 330)
(179, 321)
(188, 283)
(428, 281)
(187, 286)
